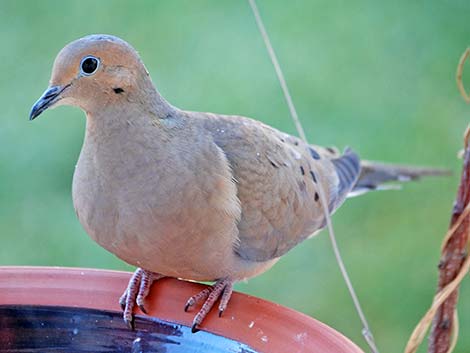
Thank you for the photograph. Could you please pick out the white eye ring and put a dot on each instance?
(89, 65)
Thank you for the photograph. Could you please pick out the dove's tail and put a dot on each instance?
(376, 176)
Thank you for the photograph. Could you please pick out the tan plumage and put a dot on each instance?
(184, 194)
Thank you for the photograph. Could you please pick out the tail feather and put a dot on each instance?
(374, 176)
(348, 169)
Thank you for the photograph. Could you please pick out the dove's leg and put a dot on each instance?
(136, 291)
(221, 289)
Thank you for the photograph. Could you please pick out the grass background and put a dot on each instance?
(377, 76)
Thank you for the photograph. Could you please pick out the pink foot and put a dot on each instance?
(136, 292)
(222, 289)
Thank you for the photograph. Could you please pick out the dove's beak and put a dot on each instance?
(48, 98)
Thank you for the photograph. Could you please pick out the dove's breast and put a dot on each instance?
(172, 210)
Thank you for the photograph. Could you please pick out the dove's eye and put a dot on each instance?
(89, 65)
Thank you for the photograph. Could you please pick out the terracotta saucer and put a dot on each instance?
(261, 325)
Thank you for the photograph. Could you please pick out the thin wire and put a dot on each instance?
(277, 67)
(366, 332)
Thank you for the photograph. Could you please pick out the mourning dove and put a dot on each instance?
(191, 195)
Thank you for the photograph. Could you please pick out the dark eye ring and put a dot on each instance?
(89, 65)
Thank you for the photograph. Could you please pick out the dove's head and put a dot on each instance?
(92, 73)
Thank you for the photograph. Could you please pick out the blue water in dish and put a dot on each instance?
(47, 329)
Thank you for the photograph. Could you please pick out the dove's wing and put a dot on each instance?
(277, 178)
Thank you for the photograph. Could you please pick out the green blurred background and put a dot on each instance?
(377, 76)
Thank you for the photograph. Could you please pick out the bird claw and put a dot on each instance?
(202, 295)
(142, 308)
(221, 289)
(130, 322)
(135, 293)
(139, 287)
(194, 328)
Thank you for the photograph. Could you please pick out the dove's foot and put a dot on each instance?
(221, 289)
(135, 293)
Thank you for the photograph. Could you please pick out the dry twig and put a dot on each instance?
(454, 263)
(459, 75)
(454, 254)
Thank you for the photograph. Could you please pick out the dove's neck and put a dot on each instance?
(138, 107)
(150, 100)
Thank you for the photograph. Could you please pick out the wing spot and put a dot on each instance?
(331, 150)
(314, 178)
(316, 196)
(314, 153)
(302, 170)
